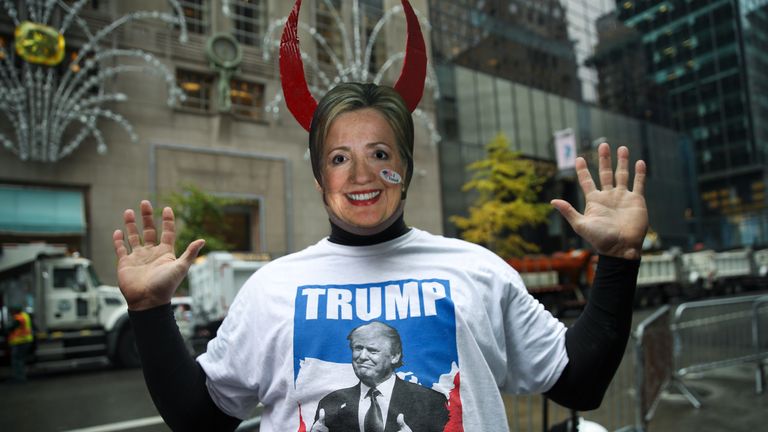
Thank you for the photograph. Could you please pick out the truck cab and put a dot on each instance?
(75, 317)
(70, 290)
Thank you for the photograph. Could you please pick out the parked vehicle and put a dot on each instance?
(561, 280)
(75, 318)
(214, 280)
(182, 313)
(558, 281)
(761, 262)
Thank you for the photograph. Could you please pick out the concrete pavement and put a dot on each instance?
(729, 403)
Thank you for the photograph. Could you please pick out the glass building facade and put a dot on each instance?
(581, 16)
(518, 67)
(478, 106)
(525, 41)
(711, 57)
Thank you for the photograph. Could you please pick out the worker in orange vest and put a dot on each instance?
(20, 340)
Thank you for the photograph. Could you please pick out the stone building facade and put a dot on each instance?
(259, 157)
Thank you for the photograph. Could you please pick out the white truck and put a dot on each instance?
(75, 318)
(214, 280)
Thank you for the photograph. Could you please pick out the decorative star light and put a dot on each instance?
(353, 64)
(47, 107)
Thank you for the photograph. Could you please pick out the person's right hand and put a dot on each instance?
(319, 425)
(149, 274)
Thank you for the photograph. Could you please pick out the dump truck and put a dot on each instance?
(75, 318)
(214, 281)
(558, 280)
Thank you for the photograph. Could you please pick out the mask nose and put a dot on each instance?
(361, 173)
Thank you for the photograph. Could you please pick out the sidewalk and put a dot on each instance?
(729, 403)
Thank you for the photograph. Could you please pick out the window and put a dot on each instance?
(249, 17)
(196, 15)
(242, 226)
(247, 99)
(75, 278)
(197, 88)
(328, 28)
(65, 278)
(94, 277)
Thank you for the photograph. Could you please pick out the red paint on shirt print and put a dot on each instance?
(302, 426)
(454, 408)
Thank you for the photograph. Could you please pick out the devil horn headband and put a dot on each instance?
(301, 103)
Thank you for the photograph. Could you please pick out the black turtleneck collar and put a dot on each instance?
(346, 238)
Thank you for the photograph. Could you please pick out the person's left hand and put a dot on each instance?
(319, 425)
(402, 427)
(615, 219)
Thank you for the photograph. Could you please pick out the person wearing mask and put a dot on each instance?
(469, 328)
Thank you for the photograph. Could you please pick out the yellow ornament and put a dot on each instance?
(39, 44)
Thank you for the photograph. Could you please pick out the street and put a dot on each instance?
(103, 398)
(80, 400)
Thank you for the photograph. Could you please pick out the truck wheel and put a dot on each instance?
(127, 354)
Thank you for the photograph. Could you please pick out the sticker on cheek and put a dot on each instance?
(391, 176)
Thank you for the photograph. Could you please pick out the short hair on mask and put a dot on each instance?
(390, 333)
(348, 97)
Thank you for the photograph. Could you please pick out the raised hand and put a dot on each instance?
(149, 273)
(319, 425)
(615, 219)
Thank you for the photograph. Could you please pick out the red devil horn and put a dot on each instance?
(410, 84)
(297, 96)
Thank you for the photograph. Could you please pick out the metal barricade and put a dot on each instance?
(710, 334)
(760, 340)
(617, 411)
(653, 367)
(524, 412)
(532, 413)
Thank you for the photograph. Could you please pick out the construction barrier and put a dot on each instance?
(760, 340)
(710, 334)
(653, 363)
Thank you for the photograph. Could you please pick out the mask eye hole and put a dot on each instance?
(338, 159)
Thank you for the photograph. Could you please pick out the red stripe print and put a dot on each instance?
(302, 426)
(454, 409)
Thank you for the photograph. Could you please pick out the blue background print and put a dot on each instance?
(428, 335)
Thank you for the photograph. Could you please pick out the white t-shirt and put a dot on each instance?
(464, 317)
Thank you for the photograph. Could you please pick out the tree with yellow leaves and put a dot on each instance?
(507, 188)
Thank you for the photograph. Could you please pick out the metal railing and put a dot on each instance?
(529, 413)
(711, 334)
(760, 340)
(653, 364)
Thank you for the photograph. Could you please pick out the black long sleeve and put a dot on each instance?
(596, 341)
(175, 380)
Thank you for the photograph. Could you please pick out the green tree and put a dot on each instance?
(202, 216)
(507, 188)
